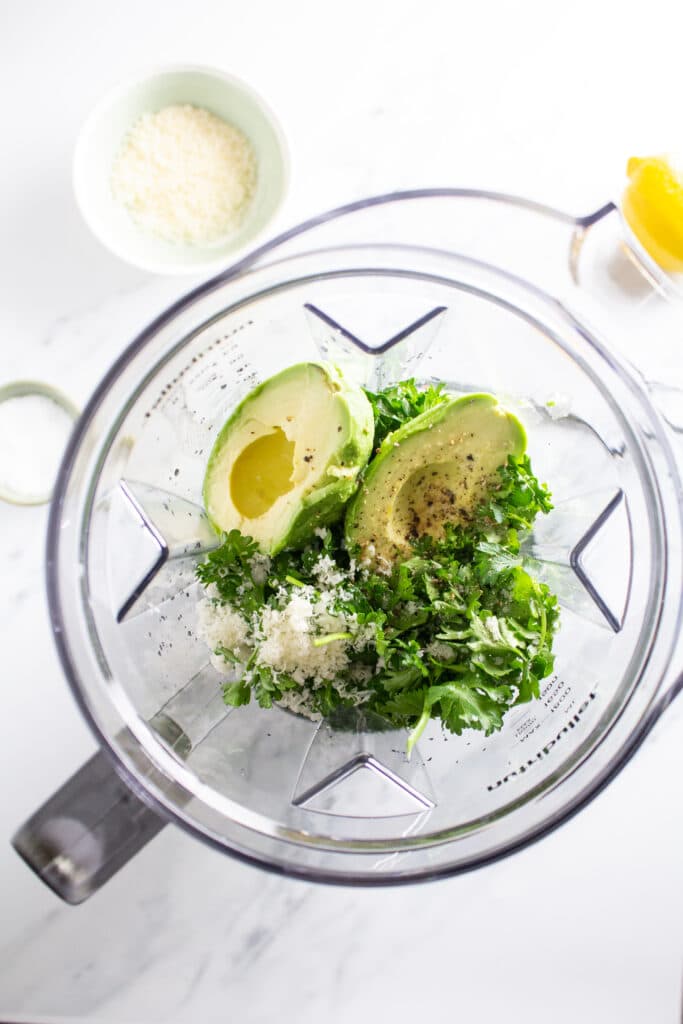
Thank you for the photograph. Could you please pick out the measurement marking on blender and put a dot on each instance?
(545, 750)
(168, 388)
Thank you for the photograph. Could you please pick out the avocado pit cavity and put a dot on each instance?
(262, 473)
(432, 496)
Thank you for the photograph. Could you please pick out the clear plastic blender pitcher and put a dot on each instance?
(487, 293)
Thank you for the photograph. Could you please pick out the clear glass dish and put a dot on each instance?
(35, 424)
(470, 288)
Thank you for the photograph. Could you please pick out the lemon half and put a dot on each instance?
(653, 207)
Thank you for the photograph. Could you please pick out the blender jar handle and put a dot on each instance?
(86, 831)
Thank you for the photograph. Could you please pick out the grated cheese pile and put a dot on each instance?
(282, 637)
(185, 175)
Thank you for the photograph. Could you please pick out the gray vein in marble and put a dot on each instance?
(194, 983)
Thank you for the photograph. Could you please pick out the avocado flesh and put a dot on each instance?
(288, 458)
(434, 470)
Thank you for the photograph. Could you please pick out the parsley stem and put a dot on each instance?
(544, 627)
(419, 727)
(320, 641)
(295, 582)
(543, 616)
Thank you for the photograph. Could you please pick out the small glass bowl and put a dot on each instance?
(35, 424)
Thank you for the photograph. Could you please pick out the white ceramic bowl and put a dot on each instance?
(101, 137)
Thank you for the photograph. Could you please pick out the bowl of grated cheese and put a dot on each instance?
(179, 170)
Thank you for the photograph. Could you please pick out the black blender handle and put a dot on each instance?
(86, 831)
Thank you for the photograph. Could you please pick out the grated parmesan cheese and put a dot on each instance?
(439, 650)
(185, 175)
(219, 625)
(288, 634)
(298, 701)
(559, 406)
(326, 572)
(282, 637)
(260, 567)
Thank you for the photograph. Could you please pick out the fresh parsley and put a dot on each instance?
(400, 402)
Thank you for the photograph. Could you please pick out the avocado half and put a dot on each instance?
(434, 470)
(288, 458)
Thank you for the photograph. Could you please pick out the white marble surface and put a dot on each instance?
(538, 98)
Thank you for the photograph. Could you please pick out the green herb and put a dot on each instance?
(395, 405)
(229, 569)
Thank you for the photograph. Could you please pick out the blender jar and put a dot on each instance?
(491, 294)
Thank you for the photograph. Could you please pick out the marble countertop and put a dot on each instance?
(532, 98)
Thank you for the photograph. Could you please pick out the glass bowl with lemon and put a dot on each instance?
(652, 209)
